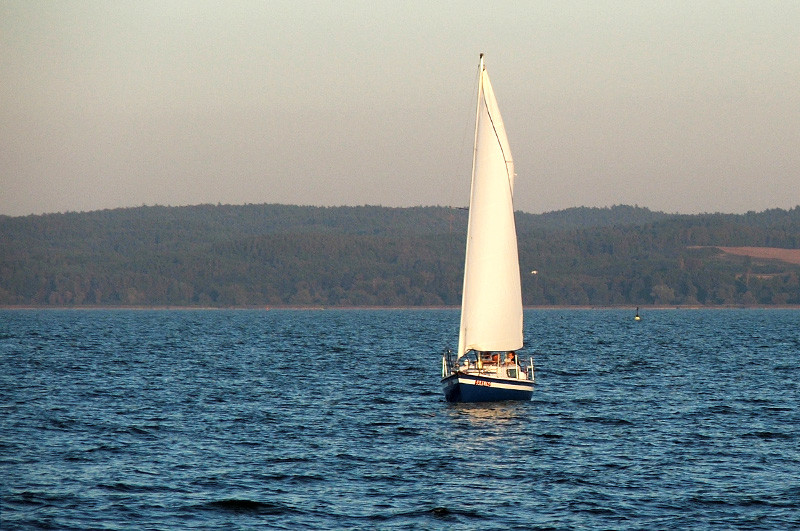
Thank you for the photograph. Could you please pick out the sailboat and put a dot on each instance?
(486, 368)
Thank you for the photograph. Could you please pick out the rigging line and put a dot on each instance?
(467, 144)
(500, 143)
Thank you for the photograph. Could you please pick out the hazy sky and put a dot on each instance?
(679, 106)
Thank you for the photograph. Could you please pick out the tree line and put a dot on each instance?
(276, 255)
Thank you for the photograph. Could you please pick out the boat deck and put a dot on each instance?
(488, 365)
(518, 372)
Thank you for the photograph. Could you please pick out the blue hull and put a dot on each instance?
(470, 388)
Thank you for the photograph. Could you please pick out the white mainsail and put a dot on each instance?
(491, 306)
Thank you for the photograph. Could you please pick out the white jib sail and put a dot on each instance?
(491, 306)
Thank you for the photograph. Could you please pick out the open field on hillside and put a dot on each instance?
(791, 256)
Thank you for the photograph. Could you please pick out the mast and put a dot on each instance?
(461, 336)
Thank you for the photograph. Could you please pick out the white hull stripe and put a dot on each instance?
(516, 385)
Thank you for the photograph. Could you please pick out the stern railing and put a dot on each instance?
(447, 363)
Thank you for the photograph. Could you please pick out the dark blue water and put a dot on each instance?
(335, 419)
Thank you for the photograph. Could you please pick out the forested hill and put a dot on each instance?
(273, 255)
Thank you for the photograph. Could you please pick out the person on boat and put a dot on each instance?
(510, 358)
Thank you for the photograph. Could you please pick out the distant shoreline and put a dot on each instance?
(379, 308)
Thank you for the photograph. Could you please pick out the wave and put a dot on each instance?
(244, 505)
